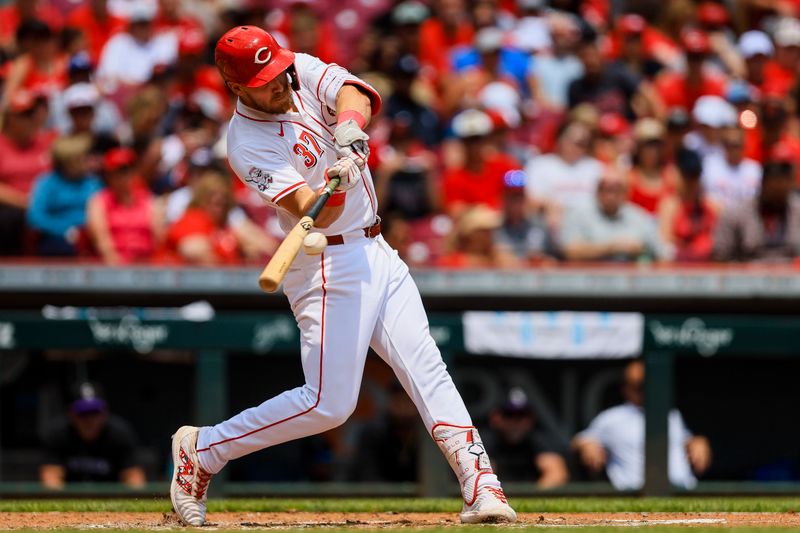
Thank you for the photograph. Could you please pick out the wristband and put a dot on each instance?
(352, 114)
(336, 199)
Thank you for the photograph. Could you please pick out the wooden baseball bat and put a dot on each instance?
(273, 274)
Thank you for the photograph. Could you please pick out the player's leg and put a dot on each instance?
(402, 338)
(336, 313)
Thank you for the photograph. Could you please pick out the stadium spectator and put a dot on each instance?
(472, 242)
(449, 29)
(677, 89)
(609, 90)
(253, 240)
(553, 73)
(651, 179)
(57, 210)
(780, 72)
(525, 235)
(490, 60)
(404, 179)
(130, 57)
(80, 108)
(688, 219)
(424, 123)
(97, 24)
(14, 14)
(730, 178)
(765, 228)
(566, 178)
(531, 32)
(610, 228)
(478, 177)
(756, 49)
(202, 236)
(711, 115)
(124, 221)
(42, 69)
(614, 441)
(90, 444)
(522, 451)
(24, 154)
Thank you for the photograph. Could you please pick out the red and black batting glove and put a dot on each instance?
(350, 139)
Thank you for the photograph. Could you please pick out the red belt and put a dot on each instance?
(370, 233)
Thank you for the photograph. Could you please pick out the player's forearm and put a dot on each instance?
(330, 213)
(351, 98)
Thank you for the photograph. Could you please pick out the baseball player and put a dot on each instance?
(299, 122)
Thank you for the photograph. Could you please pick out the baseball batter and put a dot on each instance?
(299, 122)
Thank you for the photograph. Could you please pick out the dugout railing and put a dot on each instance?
(673, 333)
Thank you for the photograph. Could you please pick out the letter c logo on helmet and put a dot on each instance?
(258, 59)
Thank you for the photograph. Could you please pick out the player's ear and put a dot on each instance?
(235, 88)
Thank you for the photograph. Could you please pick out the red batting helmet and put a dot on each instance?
(251, 56)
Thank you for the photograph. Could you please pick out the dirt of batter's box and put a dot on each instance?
(245, 521)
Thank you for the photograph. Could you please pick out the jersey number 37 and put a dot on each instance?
(308, 148)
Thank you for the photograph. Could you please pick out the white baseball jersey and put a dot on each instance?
(278, 154)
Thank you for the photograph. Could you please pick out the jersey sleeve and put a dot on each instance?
(326, 79)
(266, 172)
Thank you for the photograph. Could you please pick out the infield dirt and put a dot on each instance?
(291, 520)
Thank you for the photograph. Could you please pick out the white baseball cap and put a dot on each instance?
(714, 111)
(489, 39)
(81, 95)
(754, 42)
(787, 32)
(472, 123)
(504, 99)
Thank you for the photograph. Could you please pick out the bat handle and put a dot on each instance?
(326, 193)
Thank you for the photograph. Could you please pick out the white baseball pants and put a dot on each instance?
(356, 295)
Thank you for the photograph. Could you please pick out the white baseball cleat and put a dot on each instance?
(490, 506)
(189, 482)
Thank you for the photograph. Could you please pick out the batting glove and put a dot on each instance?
(347, 171)
(351, 142)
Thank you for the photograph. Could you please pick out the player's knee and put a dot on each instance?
(336, 414)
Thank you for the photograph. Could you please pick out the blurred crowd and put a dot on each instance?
(513, 132)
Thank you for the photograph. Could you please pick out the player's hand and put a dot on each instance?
(593, 455)
(351, 142)
(347, 171)
(699, 452)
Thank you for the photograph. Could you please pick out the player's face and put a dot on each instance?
(274, 97)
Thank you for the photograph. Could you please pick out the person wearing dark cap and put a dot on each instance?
(609, 90)
(41, 69)
(24, 154)
(90, 445)
(688, 220)
(766, 228)
(424, 123)
(520, 451)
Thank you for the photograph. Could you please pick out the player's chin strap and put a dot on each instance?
(463, 449)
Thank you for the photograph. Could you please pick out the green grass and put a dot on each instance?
(449, 505)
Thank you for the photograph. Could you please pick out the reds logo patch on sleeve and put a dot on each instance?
(260, 178)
